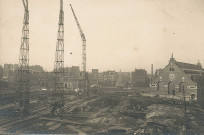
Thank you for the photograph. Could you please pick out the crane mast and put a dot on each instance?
(58, 93)
(23, 71)
(84, 74)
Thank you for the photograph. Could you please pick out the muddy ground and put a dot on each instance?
(115, 112)
(130, 114)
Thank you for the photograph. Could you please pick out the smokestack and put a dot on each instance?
(151, 73)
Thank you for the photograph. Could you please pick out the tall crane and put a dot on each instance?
(23, 70)
(84, 82)
(58, 93)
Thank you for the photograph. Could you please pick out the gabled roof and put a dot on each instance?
(188, 66)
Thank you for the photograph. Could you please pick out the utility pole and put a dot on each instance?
(58, 93)
(84, 81)
(23, 70)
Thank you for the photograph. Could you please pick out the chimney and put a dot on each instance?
(151, 73)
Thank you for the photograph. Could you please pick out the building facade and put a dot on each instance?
(178, 79)
(94, 75)
(157, 72)
(140, 78)
(200, 90)
(110, 78)
(9, 71)
(71, 77)
(126, 77)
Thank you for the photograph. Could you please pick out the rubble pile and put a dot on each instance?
(118, 113)
(162, 119)
(115, 113)
(149, 115)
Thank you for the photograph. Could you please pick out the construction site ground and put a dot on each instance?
(108, 111)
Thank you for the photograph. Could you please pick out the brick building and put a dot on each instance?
(200, 90)
(71, 77)
(37, 77)
(35, 69)
(10, 75)
(110, 78)
(9, 71)
(157, 72)
(140, 78)
(126, 77)
(177, 77)
(94, 75)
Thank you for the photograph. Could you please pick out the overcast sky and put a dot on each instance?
(121, 34)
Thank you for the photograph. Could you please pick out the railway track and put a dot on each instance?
(17, 126)
(15, 123)
(38, 111)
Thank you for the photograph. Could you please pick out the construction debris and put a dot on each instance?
(115, 113)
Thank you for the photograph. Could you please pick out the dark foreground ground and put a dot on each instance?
(107, 112)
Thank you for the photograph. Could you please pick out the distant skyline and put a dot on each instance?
(121, 34)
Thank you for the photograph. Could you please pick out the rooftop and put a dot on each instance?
(189, 66)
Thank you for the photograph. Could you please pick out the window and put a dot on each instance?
(180, 88)
(174, 92)
(192, 96)
(191, 87)
(154, 85)
(171, 69)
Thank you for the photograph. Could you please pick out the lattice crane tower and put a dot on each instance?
(58, 93)
(23, 70)
(84, 74)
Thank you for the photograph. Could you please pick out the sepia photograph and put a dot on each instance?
(102, 67)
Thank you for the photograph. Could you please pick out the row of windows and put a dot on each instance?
(176, 86)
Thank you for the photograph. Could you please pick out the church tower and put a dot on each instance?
(172, 59)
